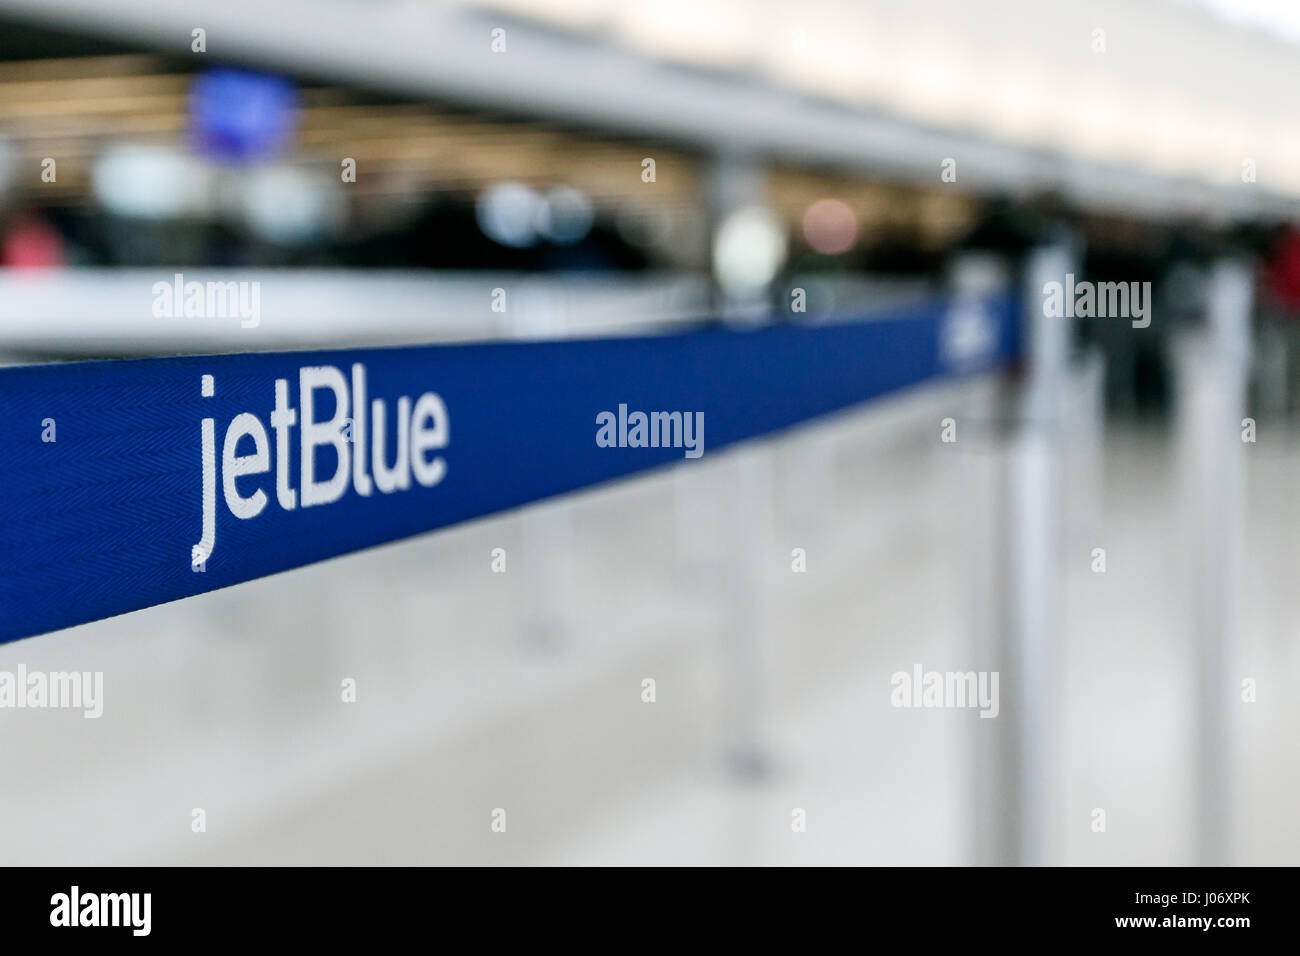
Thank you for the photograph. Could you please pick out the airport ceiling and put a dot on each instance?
(1014, 90)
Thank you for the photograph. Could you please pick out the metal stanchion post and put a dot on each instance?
(1212, 401)
(1017, 762)
(748, 523)
(547, 532)
(737, 183)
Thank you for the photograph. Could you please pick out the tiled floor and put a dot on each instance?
(523, 691)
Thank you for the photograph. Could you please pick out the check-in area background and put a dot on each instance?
(867, 154)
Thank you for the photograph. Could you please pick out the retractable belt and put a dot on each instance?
(126, 484)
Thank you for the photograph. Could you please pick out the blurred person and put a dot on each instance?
(1279, 325)
(31, 242)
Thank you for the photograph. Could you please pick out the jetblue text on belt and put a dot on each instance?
(421, 430)
(256, 463)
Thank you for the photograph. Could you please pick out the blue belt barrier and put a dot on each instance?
(125, 484)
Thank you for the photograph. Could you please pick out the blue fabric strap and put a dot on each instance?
(130, 483)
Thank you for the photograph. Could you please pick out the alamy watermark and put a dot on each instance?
(946, 689)
(76, 908)
(63, 690)
(208, 300)
(1102, 300)
(651, 430)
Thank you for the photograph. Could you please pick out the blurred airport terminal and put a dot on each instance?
(1114, 527)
